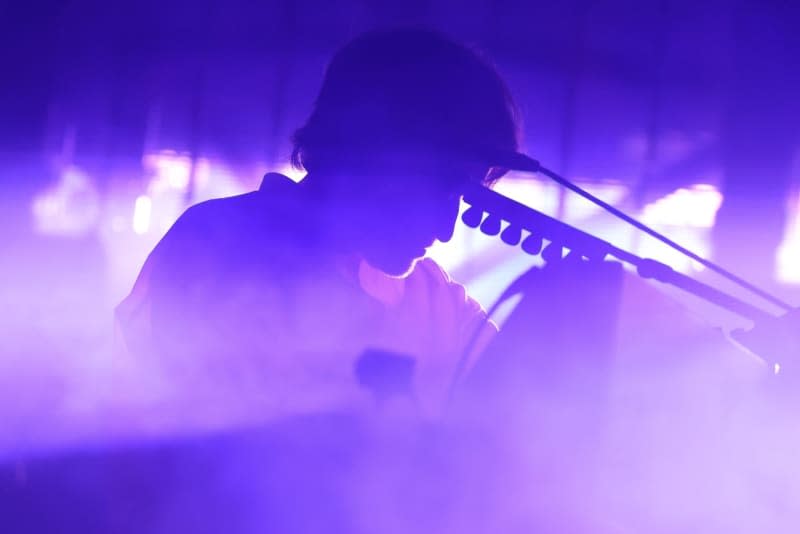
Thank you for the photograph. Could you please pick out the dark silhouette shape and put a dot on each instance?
(308, 275)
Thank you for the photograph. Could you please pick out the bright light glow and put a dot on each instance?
(464, 244)
(787, 257)
(695, 239)
(539, 195)
(544, 196)
(788, 260)
(141, 214)
(172, 171)
(695, 206)
(169, 170)
(578, 209)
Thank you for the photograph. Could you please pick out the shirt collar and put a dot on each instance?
(274, 180)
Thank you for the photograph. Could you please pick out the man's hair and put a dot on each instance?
(406, 88)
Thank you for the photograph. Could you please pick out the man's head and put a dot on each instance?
(404, 119)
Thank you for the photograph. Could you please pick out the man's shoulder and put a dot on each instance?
(216, 214)
(266, 208)
(202, 237)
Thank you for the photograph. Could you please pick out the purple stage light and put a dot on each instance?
(693, 206)
(173, 171)
(787, 264)
(142, 212)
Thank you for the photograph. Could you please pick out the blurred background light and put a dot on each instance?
(70, 207)
(170, 170)
(694, 206)
(142, 211)
(788, 254)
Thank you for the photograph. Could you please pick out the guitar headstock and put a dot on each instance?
(488, 211)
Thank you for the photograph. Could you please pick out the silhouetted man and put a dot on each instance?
(258, 306)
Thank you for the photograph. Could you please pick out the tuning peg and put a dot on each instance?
(472, 217)
(492, 225)
(511, 235)
(553, 252)
(532, 244)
